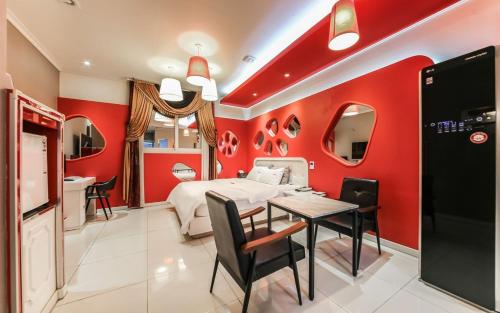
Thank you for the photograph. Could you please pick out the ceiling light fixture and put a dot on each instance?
(248, 58)
(344, 32)
(87, 63)
(286, 75)
(198, 73)
(209, 91)
(170, 90)
(254, 94)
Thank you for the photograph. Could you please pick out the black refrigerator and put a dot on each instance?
(459, 177)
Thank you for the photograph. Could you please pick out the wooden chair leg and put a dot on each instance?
(216, 265)
(294, 267)
(252, 223)
(103, 207)
(109, 206)
(340, 235)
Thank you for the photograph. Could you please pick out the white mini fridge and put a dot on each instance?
(34, 177)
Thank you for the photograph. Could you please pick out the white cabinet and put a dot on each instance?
(38, 261)
(74, 202)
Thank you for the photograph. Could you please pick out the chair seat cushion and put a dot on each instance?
(95, 195)
(343, 223)
(275, 256)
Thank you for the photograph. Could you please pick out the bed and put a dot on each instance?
(188, 198)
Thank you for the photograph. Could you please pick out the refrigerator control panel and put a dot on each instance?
(467, 124)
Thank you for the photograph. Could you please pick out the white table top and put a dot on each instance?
(313, 206)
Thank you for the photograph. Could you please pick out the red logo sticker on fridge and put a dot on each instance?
(479, 137)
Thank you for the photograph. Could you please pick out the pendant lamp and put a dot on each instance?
(344, 32)
(209, 91)
(170, 90)
(198, 73)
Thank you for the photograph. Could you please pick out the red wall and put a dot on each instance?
(393, 155)
(158, 177)
(239, 161)
(111, 120)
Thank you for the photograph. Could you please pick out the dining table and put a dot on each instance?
(312, 208)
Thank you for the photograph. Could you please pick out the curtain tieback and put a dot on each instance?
(131, 139)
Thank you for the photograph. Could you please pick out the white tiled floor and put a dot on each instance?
(139, 262)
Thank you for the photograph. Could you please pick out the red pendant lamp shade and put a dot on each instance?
(198, 73)
(344, 32)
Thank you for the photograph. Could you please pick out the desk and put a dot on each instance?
(312, 208)
(74, 202)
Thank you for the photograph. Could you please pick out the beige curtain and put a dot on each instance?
(145, 98)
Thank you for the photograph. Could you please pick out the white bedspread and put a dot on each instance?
(188, 196)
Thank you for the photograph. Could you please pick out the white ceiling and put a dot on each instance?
(141, 38)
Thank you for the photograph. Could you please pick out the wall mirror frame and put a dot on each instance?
(88, 134)
(268, 148)
(292, 126)
(282, 147)
(183, 172)
(272, 127)
(258, 140)
(228, 144)
(327, 142)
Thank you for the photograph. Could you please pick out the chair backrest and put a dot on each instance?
(229, 234)
(108, 185)
(360, 191)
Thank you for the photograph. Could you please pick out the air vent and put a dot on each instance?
(248, 58)
(73, 3)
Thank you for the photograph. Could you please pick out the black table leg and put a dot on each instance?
(355, 244)
(269, 217)
(310, 246)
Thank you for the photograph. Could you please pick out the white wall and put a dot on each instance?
(93, 89)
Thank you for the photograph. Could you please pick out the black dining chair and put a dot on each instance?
(249, 256)
(100, 190)
(363, 192)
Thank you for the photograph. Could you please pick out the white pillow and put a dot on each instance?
(255, 173)
(271, 176)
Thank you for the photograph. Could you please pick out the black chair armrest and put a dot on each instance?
(267, 240)
(368, 209)
(250, 212)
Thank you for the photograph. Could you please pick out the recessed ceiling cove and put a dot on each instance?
(310, 54)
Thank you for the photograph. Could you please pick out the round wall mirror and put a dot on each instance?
(183, 172)
(258, 140)
(292, 126)
(272, 127)
(282, 147)
(228, 144)
(348, 139)
(268, 148)
(81, 138)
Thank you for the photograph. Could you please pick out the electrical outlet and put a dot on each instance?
(312, 165)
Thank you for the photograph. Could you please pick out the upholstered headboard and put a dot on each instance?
(298, 166)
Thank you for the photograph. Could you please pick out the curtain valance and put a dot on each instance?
(146, 98)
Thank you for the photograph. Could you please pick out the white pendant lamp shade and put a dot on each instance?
(170, 90)
(209, 91)
(344, 32)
